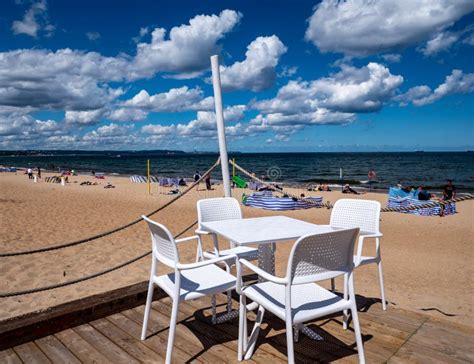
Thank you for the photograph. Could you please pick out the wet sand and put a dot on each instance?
(428, 261)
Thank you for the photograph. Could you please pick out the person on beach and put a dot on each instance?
(423, 194)
(348, 189)
(29, 171)
(208, 182)
(449, 191)
(197, 177)
(39, 172)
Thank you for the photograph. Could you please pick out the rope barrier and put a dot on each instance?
(112, 231)
(428, 204)
(329, 205)
(86, 278)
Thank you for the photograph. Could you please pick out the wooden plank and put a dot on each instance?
(80, 348)
(273, 340)
(456, 344)
(208, 334)
(8, 356)
(55, 350)
(32, 326)
(391, 320)
(30, 353)
(377, 348)
(103, 345)
(126, 342)
(413, 353)
(212, 342)
(186, 339)
(156, 343)
(228, 333)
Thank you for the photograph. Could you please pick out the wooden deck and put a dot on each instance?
(394, 336)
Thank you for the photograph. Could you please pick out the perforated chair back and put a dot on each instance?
(217, 209)
(322, 256)
(164, 246)
(351, 213)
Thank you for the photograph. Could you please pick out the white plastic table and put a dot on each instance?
(265, 232)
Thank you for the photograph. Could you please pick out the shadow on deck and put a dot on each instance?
(393, 336)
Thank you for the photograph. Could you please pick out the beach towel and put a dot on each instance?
(265, 200)
(403, 202)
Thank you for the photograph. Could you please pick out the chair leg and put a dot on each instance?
(333, 285)
(242, 320)
(254, 335)
(289, 341)
(358, 336)
(149, 298)
(345, 315)
(382, 291)
(174, 316)
(229, 292)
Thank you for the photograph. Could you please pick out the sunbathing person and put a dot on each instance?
(348, 189)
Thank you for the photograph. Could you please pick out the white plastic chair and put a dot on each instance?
(188, 282)
(218, 209)
(296, 298)
(365, 215)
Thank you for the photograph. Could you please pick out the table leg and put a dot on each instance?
(266, 258)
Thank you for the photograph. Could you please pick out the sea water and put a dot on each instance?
(430, 169)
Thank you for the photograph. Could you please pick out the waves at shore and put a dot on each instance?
(430, 169)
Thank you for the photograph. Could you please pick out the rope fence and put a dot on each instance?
(86, 278)
(112, 231)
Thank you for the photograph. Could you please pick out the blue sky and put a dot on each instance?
(297, 76)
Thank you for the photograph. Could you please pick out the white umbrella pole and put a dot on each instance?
(216, 83)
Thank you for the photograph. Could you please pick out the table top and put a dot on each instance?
(260, 230)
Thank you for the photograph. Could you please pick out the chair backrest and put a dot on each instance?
(351, 213)
(217, 209)
(164, 246)
(319, 257)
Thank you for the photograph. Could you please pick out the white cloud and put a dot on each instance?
(127, 114)
(93, 36)
(257, 71)
(84, 117)
(350, 90)
(34, 21)
(392, 57)
(455, 83)
(174, 100)
(204, 126)
(288, 71)
(188, 48)
(361, 28)
(143, 31)
(19, 130)
(440, 42)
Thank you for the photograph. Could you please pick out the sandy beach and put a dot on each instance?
(428, 261)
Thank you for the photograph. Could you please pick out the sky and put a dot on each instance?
(297, 76)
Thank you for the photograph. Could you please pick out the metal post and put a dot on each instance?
(341, 178)
(148, 176)
(216, 83)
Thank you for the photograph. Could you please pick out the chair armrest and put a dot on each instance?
(205, 262)
(360, 245)
(262, 273)
(203, 232)
(375, 235)
(194, 237)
